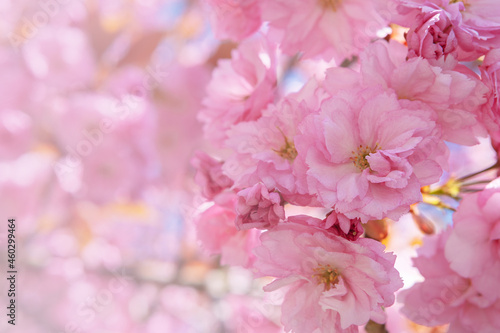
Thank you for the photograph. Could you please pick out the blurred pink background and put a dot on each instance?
(98, 123)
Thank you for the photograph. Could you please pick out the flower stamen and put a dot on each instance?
(287, 151)
(462, 1)
(359, 157)
(330, 4)
(325, 274)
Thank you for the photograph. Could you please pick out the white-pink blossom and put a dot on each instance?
(333, 284)
(368, 154)
(240, 89)
(328, 29)
(475, 23)
(456, 96)
(473, 248)
(258, 208)
(432, 37)
(265, 151)
(445, 296)
(490, 76)
(209, 175)
(218, 234)
(234, 19)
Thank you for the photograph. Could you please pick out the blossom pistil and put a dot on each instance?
(359, 157)
(287, 151)
(330, 4)
(326, 275)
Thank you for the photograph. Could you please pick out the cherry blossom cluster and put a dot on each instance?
(298, 176)
(461, 267)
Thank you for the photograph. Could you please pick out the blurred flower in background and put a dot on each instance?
(98, 125)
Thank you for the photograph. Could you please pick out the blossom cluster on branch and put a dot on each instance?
(297, 178)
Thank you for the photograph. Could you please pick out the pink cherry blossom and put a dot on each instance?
(455, 95)
(332, 282)
(218, 235)
(324, 28)
(258, 208)
(445, 296)
(432, 37)
(368, 154)
(234, 19)
(490, 76)
(475, 23)
(495, 142)
(336, 223)
(473, 248)
(240, 89)
(98, 123)
(265, 150)
(343, 226)
(209, 175)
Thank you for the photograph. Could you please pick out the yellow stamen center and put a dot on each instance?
(330, 4)
(326, 275)
(287, 151)
(359, 157)
(463, 1)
